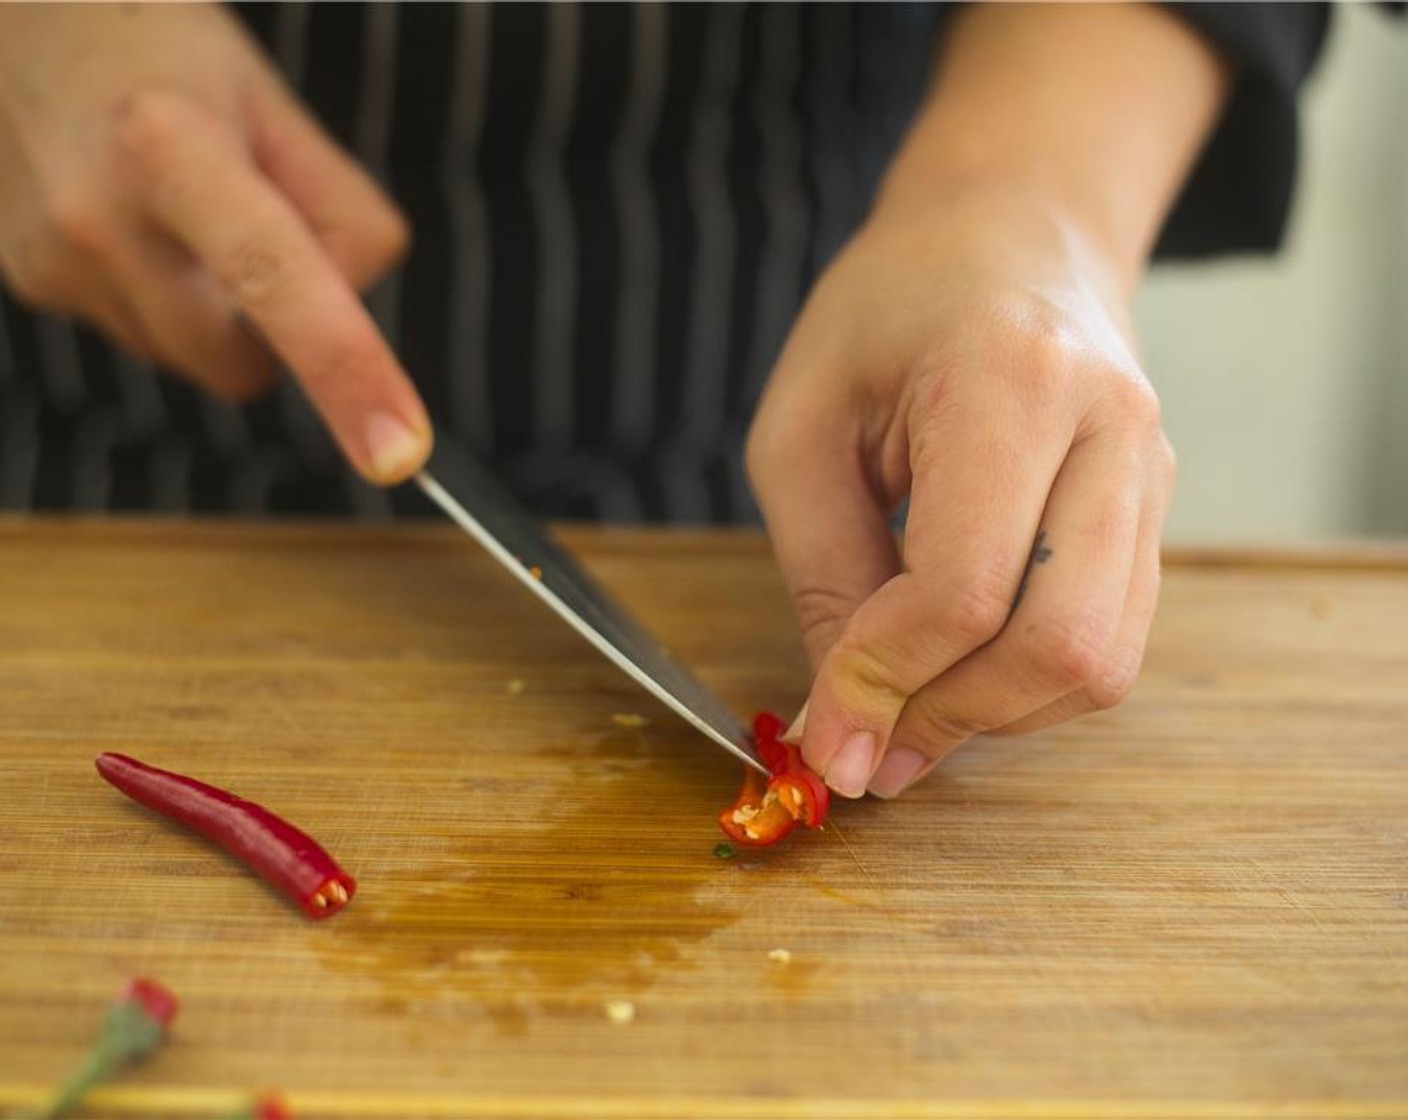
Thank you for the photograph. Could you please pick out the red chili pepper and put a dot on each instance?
(156, 1001)
(757, 816)
(801, 789)
(765, 812)
(269, 1106)
(768, 728)
(767, 739)
(280, 853)
(135, 1026)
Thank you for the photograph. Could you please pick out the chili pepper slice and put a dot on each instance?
(757, 816)
(801, 789)
(768, 727)
(767, 740)
(765, 812)
(281, 854)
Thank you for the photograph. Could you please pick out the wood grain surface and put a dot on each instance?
(1195, 906)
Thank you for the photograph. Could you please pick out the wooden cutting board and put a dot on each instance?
(1194, 906)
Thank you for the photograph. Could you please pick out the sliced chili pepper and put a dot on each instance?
(758, 816)
(801, 789)
(767, 740)
(766, 811)
(768, 728)
(281, 854)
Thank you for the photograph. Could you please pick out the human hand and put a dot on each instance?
(966, 358)
(158, 180)
(971, 350)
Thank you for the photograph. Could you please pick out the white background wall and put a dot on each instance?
(1285, 381)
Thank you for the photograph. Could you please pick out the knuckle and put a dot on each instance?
(77, 224)
(249, 385)
(1049, 344)
(1072, 651)
(393, 239)
(1115, 681)
(254, 272)
(348, 358)
(821, 611)
(977, 611)
(35, 275)
(933, 731)
(149, 124)
(930, 411)
(1168, 461)
(765, 452)
(1137, 402)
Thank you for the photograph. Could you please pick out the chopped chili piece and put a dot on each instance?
(765, 811)
(800, 788)
(134, 1027)
(281, 854)
(724, 851)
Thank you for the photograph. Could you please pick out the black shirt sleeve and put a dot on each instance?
(1239, 194)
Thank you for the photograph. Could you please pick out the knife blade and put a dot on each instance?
(480, 505)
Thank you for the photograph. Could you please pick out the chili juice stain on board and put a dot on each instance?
(598, 898)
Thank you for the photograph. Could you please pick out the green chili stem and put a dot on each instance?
(129, 1033)
(102, 1062)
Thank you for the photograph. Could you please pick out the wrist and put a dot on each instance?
(1014, 221)
(1091, 115)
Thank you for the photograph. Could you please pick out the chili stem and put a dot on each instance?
(129, 1033)
(104, 1060)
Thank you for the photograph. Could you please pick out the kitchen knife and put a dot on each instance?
(480, 505)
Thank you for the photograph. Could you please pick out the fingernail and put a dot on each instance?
(849, 769)
(897, 772)
(393, 449)
(794, 733)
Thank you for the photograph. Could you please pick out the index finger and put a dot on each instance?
(199, 184)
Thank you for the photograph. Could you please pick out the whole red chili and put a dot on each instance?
(765, 812)
(281, 854)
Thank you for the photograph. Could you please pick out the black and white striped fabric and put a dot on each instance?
(617, 212)
(618, 209)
